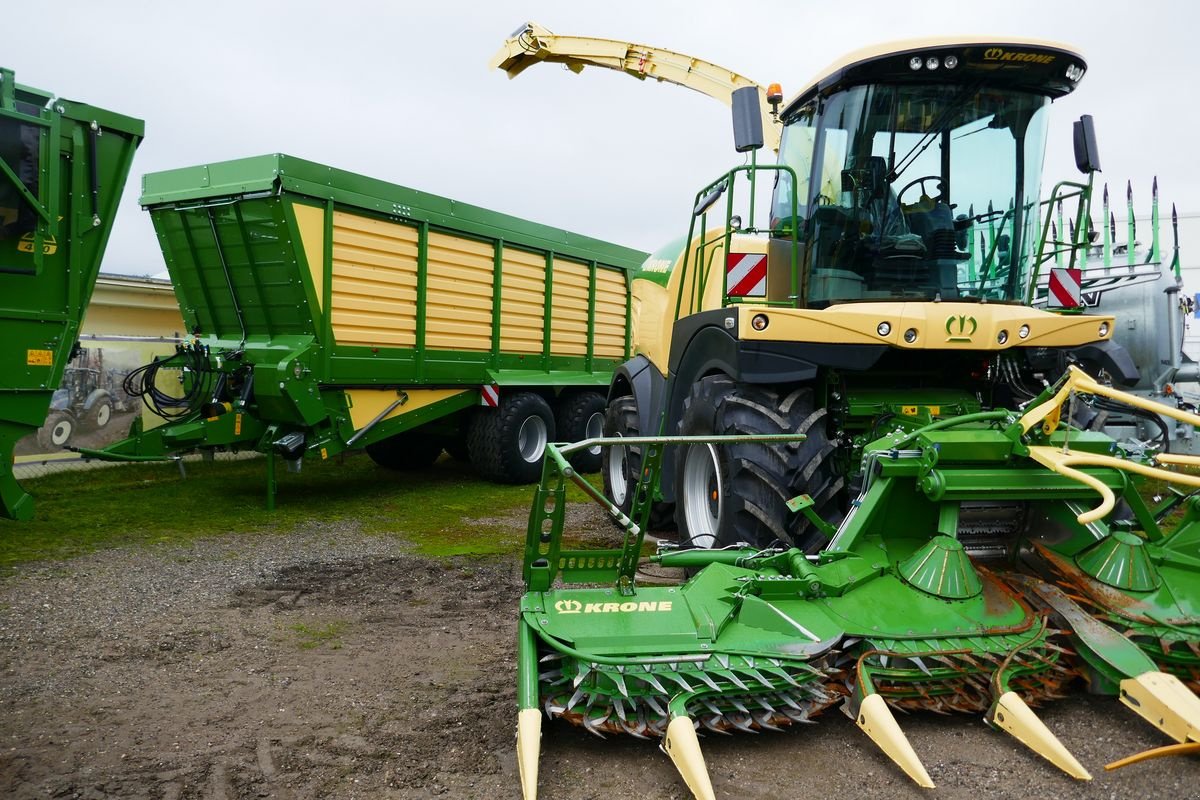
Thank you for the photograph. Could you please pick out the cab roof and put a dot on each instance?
(1034, 63)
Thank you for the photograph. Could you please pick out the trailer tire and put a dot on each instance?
(408, 451)
(621, 466)
(581, 416)
(738, 493)
(507, 443)
(57, 432)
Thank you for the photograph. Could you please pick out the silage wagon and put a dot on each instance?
(328, 311)
(63, 166)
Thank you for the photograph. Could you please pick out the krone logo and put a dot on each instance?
(960, 328)
(1000, 54)
(627, 607)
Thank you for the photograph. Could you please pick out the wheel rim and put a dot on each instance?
(60, 433)
(103, 413)
(531, 439)
(702, 497)
(618, 472)
(594, 430)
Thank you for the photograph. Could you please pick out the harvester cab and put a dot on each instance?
(872, 440)
(895, 161)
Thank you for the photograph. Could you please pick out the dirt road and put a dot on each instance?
(326, 663)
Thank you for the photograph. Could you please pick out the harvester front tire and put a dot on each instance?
(738, 493)
(408, 451)
(621, 465)
(577, 417)
(507, 443)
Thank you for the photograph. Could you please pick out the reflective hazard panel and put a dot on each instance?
(489, 396)
(1065, 291)
(746, 275)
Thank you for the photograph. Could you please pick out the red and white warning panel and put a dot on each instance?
(1065, 291)
(746, 275)
(489, 396)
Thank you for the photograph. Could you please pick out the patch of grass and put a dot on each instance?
(146, 504)
(310, 637)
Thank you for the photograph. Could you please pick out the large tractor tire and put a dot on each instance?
(738, 493)
(57, 432)
(408, 451)
(621, 465)
(507, 443)
(580, 416)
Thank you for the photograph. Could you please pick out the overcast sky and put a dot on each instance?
(401, 91)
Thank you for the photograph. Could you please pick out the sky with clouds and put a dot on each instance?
(402, 91)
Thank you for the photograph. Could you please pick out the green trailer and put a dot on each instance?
(63, 166)
(328, 311)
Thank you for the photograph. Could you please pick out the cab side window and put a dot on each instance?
(795, 151)
(19, 149)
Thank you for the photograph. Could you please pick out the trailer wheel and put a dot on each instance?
(621, 465)
(506, 444)
(738, 493)
(580, 416)
(57, 431)
(406, 451)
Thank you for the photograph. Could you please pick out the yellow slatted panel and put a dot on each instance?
(374, 291)
(610, 314)
(522, 301)
(569, 308)
(458, 305)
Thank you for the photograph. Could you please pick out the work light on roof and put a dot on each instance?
(950, 61)
(915, 63)
(932, 63)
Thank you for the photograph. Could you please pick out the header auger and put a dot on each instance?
(873, 414)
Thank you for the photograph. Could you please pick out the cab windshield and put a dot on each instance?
(915, 191)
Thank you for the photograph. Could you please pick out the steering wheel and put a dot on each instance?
(920, 181)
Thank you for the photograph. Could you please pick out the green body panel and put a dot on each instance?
(256, 301)
(64, 166)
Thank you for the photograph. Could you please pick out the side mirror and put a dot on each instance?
(747, 119)
(1087, 156)
(706, 202)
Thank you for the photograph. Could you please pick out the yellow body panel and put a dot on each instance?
(939, 326)
(611, 300)
(569, 308)
(366, 404)
(374, 281)
(311, 222)
(655, 308)
(458, 304)
(522, 301)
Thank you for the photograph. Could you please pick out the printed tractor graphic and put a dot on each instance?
(87, 400)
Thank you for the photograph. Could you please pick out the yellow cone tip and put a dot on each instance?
(876, 720)
(683, 747)
(529, 746)
(1015, 717)
(1165, 702)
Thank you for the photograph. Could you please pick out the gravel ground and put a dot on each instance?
(328, 663)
